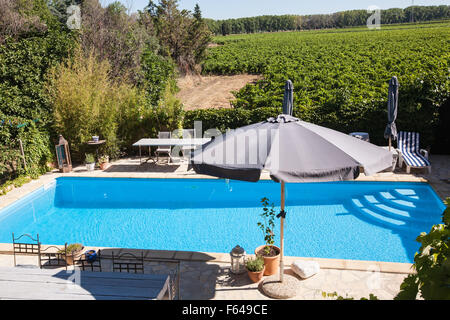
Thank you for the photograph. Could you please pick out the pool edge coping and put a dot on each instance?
(210, 257)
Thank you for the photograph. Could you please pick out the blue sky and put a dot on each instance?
(225, 9)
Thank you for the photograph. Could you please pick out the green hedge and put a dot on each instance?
(224, 119)
(24, 65)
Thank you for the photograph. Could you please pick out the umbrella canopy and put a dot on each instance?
(288, 101)
(291, 150)
(391, 129)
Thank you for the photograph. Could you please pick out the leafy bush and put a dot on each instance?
(432, 263)
(224, 119)
(36, 145)
(158, 73)
(72, 248)
(86, 102)
(255, 264)
(33, 42)
(89, 158)
(17, 182)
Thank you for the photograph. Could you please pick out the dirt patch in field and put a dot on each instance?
(198, 92)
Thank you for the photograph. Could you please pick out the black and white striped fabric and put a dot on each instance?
(408, 143)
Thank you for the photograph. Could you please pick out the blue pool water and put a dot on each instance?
(375, 221)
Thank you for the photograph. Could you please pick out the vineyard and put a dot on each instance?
(341, 76)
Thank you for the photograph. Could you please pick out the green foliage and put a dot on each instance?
(89, 158)
(87, 103)
(341, 77)
(116, 37)
(184, 35)
(158, 73)
(116, 111)
(268, 225)
(224, 119)
(343, 19)
(255, 264)
(25, 58)
(169, 112)
(432, 263)
(16, 183)
(72, 248)
(339, 297)
(103, 159)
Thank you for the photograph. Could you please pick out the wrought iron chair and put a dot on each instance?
(24, 248)
(86, 265)
(52, 256)
(128, 262)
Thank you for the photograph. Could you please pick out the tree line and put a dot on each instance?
(351, 18)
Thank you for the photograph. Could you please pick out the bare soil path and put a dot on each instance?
(202, 92)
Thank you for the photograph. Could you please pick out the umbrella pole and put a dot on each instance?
(390, 143)
(282, 233)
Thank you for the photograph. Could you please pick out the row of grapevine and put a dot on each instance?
(341, 77)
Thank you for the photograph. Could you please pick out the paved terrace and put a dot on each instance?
(207, 276)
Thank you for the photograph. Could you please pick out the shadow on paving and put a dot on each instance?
(197, 279)
(144, 167)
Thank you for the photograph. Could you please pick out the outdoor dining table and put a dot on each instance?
(45, 284)
(168, 142)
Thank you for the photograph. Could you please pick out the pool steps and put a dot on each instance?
(394, 210)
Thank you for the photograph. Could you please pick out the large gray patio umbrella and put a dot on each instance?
(391, 129)
(291, 150)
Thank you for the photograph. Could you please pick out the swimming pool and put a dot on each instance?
(376, 221)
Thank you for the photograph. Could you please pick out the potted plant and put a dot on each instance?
(90, 162)
(74, 251)
(103, 161)
(269, 252)
(255, 268)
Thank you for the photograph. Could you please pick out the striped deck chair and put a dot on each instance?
(409, 152)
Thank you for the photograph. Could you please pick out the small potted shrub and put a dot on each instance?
(103, 162)
(269, 252)
(255, 268)
(90, 162)
(74, 251)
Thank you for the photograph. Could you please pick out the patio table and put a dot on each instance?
(168, 142)
(40, 284)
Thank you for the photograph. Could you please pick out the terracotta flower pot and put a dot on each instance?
(256, 276)
(70, 258)
(104, 165)
(271, 264)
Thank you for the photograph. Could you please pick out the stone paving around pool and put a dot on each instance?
(211, 279)
(204, 280)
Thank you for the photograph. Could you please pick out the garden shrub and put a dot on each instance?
(157, 74)
(86, 103)
(26, 54)
(432, 263)
(224, 119)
